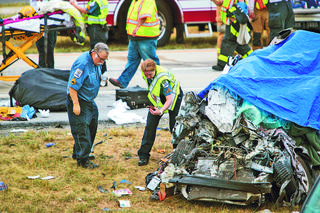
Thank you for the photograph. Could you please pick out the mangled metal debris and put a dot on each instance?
(222, 156)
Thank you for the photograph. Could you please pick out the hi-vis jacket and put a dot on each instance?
(261, 4)
(155, 87)
(224, 9)
(143, 9)
(101, 19)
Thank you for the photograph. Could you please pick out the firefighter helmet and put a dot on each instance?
(27, 11)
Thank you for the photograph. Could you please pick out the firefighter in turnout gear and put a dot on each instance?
(235, 16)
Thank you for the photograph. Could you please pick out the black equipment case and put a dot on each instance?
(136, 97)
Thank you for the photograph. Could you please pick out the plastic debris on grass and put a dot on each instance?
(50, 144)
(102, 190)
(121, 192)
(140, 188)
(3, 186)
(125, 181)
(124, 203)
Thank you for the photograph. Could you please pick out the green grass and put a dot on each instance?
(75, 189)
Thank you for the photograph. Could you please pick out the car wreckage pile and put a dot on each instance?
(216, 160)
(233, 152)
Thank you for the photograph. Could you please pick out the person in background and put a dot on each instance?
(143, 31)
(281, 16)
(259, 21)
(96, 12)
(166, 95)
(83, 87)
(233, 15)
(221, 27)
(46, 51)
(51, 43)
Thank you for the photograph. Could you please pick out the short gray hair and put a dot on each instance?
(101, 47)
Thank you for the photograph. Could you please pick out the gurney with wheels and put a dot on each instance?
(29, 30)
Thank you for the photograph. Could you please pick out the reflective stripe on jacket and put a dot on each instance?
(155, 87)
(261, 4)
(101, 19)
(143, 9)
(224, 9)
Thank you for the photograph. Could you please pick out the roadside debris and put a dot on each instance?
(18, 130)
(223, 157)
(114, 185)
(38, 176)
(44, 113)
(3, 186)
(161, 151)
(33, 177)
(50, 144)
(121, 114)
(121, 192)
(102, 190)
(125, 181)
(47, 178)
(140, 188)
(124, 203)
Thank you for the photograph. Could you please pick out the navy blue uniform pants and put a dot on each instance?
(150, 130)
(52, 39)
(83, 128)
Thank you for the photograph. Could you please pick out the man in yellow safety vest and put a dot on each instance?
(143, 28)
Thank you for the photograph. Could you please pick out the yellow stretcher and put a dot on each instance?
(29, 37)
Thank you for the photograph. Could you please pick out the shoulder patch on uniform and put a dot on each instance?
(78, 73)
(165, 84)
(73, 81)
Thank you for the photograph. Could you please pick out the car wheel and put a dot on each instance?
(184, 147)
(166, 22)
(307, 179)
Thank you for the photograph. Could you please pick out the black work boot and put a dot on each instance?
(143, 162)
(217, 68)
(87, 164)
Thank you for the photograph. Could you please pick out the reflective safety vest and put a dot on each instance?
(155, 87)
(143, 9)
(261, 4)
(224, 9)
(101, 19)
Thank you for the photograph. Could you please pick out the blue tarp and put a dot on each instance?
(282, 79)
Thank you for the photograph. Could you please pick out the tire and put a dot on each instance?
(184, 147)
(308, 180)
(166, 22)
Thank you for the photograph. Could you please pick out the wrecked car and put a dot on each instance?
(252, 135)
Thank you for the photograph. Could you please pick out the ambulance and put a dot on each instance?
(178, 14)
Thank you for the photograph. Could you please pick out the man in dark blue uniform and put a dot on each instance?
(83, 88)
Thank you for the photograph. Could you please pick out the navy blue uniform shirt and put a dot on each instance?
(85, 77)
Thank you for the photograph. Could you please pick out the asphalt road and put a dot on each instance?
(191, 67)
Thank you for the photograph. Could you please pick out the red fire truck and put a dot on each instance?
(177, 14)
